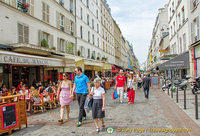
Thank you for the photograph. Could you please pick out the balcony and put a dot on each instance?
(61, 3)
(62, 28)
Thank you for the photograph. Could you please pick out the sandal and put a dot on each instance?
(60, 120)
(103, 126)
(97, 130)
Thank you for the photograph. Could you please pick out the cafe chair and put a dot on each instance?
(52, 101)
(39, 107)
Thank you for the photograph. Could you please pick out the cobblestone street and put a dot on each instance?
(157, 112)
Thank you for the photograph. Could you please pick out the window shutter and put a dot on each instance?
(192, 33)
(197, 27)
(66, 47)
(58, 44)
(20, 33)
(14, 3)
(74, 29)
(26, 34)
(32, 7)
(39, 37)
(43, 11)
(67, 25)
(51, 41)
(57, 19)
(47, 13)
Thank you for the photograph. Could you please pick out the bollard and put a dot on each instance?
(171, 93)
(185, 98)
(177, 95)
(196, 106)
(168, 90)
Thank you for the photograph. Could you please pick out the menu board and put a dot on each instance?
(8, 116)
(155, 80)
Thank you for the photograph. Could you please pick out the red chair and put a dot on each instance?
(40, 105)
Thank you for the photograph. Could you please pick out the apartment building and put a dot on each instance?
(35, 30)
(107, 32)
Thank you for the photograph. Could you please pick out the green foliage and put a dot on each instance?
(53, 48)
(44, 43)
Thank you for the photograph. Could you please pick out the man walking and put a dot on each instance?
(82, 86)
(146, 84)
(120, 85)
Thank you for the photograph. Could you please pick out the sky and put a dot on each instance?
(136, 19)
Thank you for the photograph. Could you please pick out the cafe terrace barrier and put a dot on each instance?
(13, 113)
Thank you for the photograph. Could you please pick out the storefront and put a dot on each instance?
(16, 67)
(195, 55)
(90, 67)
(178, 66)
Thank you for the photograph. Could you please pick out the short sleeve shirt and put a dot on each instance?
(97, 92)
(120, 81)
(81, 84)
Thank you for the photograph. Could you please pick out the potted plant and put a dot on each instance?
(103, 59)
(79, 53)
(53, 48)
(98, 58)
(44, 43)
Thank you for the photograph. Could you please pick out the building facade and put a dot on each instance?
(37, 30)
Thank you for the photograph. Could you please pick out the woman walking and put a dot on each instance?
(139, 80)
(132, 86)
(98, 107)
(65, 96)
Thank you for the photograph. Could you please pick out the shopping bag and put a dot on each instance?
(116, 95)
(113, 95)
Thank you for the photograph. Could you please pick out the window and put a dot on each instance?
(71, 6)
(46, 37)
(81, 31)
(98, 42)
(88, 53)
(81, 10)
(97, 28)
(82, 51)
(194, 3)
(93, 39)
(71, 28)
(97, 2)
(92, 23)
(179, 20)
(87, 3)
(61, 22)
(184, 42)
(181, 49)
(23, 33)
(88, 19)
(62, 45)
(45, 12)
(97, 14)
(88, 36)
(183, 15)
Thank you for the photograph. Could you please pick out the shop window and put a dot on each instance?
(23, 33)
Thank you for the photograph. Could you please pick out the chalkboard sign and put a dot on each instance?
(8, 116)
(155, 80)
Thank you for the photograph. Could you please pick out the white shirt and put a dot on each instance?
(98, 92)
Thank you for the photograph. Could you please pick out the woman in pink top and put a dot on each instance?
(65, 96)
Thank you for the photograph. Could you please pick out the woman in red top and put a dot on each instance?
(19, 87)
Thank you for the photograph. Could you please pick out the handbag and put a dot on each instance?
(116, 95)
(90, 103)
(113, 95)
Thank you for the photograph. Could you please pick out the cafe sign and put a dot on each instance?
(8, 59)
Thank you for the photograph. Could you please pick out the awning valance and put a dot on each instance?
(7, 57)
(179, 62)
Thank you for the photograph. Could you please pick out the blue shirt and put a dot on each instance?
(81, 84)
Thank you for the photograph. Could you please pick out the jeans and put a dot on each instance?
(146, 92)
(81, 102)
(120, 92)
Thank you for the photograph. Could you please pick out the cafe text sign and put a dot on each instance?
(29, 61)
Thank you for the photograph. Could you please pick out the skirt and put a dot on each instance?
(97, 109)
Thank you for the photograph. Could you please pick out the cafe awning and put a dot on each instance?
(179, 62)
(8, 57)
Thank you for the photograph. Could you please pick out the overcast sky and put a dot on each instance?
(136, 20)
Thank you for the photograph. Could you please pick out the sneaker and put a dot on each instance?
(78, 124)
(84, 118)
